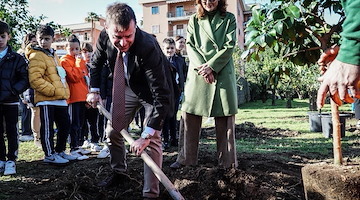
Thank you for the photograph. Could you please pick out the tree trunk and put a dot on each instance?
(273, 97)
(288, 99)
(312, 100)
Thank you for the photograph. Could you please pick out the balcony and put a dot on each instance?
(178, 16)
(175, 33)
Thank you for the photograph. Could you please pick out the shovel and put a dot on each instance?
(174, 193)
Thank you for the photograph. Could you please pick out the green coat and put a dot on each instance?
(213, 43)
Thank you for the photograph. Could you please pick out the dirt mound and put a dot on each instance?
(258, 177)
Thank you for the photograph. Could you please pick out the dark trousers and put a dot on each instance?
(48, 115)
(77, 119)
(357, 108)
(140, 117)
(91, 120)
(9, 118)
(25, 119)
(170, 125)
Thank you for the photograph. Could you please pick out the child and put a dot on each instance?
(77, 74)
(47, 78)
(30, 118)
(13, 81)
(91, 114)
(179, 64)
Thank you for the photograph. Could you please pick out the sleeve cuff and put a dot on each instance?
(149, 130)
(95, 90)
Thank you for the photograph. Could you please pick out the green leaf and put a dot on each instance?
(279, 27)
(272, 32)
(245, 54)
(293, 11)
(260, 40)
(276, 47)
(269, 40)
(251, 35)
(277, 15)
(289, 22)
(256, 16)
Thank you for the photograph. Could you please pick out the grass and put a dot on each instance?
(308, 144)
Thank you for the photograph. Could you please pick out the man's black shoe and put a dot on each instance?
(113, 180)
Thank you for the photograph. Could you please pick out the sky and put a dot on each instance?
(66, 12)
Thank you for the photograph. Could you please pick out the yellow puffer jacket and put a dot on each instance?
(44, 77)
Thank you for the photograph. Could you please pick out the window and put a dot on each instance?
(180, 30)
(155, 10)
(155, 29)
(179, 11)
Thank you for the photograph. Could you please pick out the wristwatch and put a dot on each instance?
(145, 135)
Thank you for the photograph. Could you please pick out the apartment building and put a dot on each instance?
(168, 18)
(86, 32)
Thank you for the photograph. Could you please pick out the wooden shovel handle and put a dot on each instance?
(174, 193)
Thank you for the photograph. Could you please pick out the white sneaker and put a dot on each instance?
(2, 166)
(25, 138)
(78, 156)
(86, 144)
(83, 151)
(104, 153)
(95, 147)
(10, 168)
(66, 156)
(55, 159)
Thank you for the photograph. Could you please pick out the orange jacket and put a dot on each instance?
(76, 73)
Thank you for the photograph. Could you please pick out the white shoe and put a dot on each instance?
(66, 156)
(78, 156)
(95, 147)
(10, 168)
(86, 144)
(25, 138)
(2, 166)
(55, 159)
(104, 153)
(83, 151)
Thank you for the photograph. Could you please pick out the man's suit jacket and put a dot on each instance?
(148, 71)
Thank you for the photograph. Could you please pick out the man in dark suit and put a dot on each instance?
(148, 84)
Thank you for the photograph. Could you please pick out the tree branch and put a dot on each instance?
(300, 51)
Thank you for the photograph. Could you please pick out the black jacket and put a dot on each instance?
(14, 77)
(148, 71)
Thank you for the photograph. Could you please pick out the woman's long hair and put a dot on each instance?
(201, 11)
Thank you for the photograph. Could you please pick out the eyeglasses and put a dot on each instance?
(210, 1)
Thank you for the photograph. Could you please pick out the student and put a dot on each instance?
(30, 118)
(91, 114)
(180, 66)
(48, 79)
(76, 77)
(13, 80)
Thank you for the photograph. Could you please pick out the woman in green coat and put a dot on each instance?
(210, 88)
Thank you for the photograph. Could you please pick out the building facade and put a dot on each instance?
(86, 32)
(169, 18)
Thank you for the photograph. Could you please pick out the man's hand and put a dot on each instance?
(93, 98)
(139, 145)
(327, 57)
(342, 83)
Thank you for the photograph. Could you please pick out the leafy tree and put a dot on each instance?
(294, 29)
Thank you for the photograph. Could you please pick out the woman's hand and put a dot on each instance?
(206, 71)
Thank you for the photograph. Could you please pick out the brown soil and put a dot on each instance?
(258, 177)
